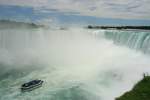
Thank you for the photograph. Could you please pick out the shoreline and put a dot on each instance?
(140, 91)
(119, 27)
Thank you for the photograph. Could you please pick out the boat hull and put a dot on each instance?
(30, 88)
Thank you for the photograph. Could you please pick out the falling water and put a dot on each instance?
(75, 64)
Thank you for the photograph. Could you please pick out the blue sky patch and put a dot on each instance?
(29, 14)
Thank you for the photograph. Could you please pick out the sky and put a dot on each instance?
(105, 12)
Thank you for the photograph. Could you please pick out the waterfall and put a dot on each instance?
(75, 64)
(139, 40)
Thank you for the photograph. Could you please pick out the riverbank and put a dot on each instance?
(141, 91)
(14, 24)
(120, 27)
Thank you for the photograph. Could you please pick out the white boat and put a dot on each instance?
(31, 85)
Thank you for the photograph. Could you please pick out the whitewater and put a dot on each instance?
(75, 63)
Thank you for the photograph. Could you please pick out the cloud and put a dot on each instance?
(123, 9)
(33, 3)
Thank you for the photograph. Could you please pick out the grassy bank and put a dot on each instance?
(141, 91)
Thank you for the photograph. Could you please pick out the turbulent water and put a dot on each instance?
(75, 64)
